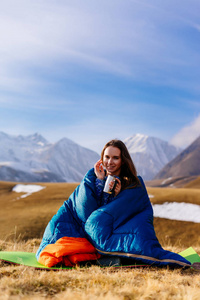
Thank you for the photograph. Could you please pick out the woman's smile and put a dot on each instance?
(112, 160)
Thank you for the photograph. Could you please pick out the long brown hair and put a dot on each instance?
(128, 174)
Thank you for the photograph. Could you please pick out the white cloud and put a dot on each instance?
(187, 134)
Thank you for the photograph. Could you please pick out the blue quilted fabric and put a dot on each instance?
(123, 227)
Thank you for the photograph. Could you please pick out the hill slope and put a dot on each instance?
(185, 164)
(26, 216)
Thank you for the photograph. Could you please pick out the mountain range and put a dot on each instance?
(33, 159)
(187, 163)
(150, 154)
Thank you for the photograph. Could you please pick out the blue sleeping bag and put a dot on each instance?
(123, 227)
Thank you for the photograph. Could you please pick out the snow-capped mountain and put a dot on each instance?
(150, 154)
(69, 160)
(33, 158)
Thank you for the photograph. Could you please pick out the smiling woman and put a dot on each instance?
(117, 162)
(112, 160)
(93, 224)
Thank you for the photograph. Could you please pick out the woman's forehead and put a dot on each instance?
(113, 151)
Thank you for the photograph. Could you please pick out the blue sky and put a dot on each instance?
(95, 70)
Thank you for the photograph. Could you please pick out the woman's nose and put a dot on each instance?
(110, 160)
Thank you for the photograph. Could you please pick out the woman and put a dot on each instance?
(117, 162)
(92, 223)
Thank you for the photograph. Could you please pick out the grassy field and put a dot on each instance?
(20, 282)
(27, 217)
(22, 224)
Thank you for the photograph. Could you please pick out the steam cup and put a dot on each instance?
(106, 186)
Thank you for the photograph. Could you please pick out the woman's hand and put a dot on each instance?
(99, 170)
(117, 188)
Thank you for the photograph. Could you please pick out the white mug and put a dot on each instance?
(106, 186)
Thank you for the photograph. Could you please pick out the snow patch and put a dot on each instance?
(40, 144)
(178, 211)
(164, 181)
(151, 196)
(28, 189)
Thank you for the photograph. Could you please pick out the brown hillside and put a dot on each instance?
(162, 195)
(26, 218)
(185, 164)
(171, 182)
(177, 233)
(195, 184)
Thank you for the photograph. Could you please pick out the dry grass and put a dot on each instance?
(28, 217)
(172, 232)
(20, 282)
(195, 184)
(162, 195)
(23, 221)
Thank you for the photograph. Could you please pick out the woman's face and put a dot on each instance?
(112, 160)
